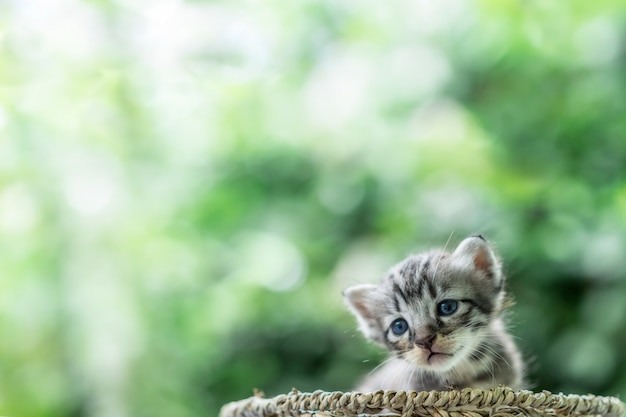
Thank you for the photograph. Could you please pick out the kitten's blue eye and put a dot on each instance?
(399, 327)
(447, 307)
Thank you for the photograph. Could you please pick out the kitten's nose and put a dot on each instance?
(426, 342)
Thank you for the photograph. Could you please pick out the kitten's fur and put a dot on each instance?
(467, 348)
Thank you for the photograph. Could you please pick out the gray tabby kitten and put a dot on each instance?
(439, 314)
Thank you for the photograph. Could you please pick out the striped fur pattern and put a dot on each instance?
(440, 315)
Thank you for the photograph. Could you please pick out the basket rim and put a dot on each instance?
(500, 401)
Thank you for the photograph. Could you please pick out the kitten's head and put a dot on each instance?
(433, 309)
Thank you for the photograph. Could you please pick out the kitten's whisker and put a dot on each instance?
(380, 365)
(448, 241)
(441, 255)
(495, 353)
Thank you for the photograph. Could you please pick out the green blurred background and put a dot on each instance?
(187, 186)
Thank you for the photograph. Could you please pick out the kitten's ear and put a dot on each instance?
(476, 253)
(366, 303)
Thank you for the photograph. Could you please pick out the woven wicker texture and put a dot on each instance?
(497, 402)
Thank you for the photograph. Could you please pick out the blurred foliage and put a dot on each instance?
(186, 187)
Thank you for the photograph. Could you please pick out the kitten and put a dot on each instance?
(439, 314)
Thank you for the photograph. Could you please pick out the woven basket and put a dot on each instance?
(497, 402)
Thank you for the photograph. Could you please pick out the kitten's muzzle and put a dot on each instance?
(437, 357)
